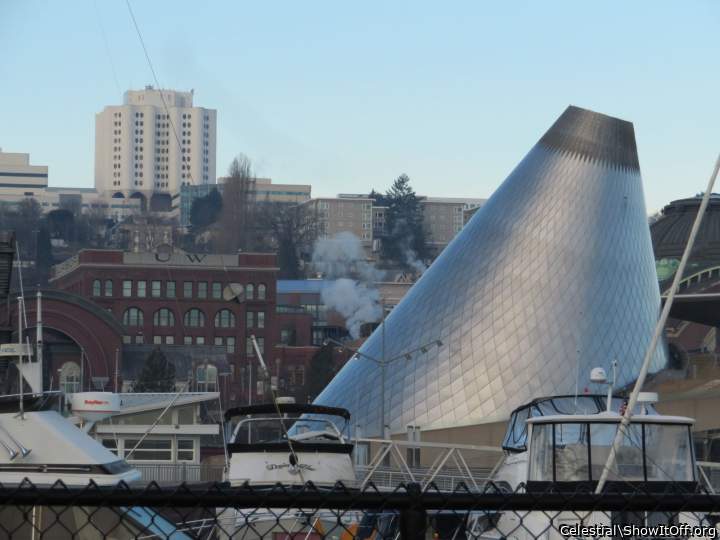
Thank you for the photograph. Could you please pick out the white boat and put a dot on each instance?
(561, 444)
(40, 447)
(288, 444)
(300, 444)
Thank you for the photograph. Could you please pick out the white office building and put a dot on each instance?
(153, 144)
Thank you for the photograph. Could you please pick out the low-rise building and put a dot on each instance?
(264, 191)
(444, 217)
(19, 180)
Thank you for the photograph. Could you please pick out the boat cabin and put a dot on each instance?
(568, 439)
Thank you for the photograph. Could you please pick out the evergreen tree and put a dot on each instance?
(405, 241)
(157, 375)
(322, 370)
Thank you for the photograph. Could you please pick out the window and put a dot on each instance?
(148, 450)
(249, 291)
(194, 318)
(169, 340)
(70, 378)
(139, 339)
(187, 340)
(127, 288)
(110, 444)
(187, 289)
(157, 340)
(96, 288)
(185, 450)
(224, 319)
(163, 317)
(170, 289)
(108, 287)
(218, 341)
(133, 317)
(126, 340)
(261, 344)
(249, 349)
(142, 289)
(202, 289)
(287, 336)
(206, 380)
(155, 289)
(230, 345)
(261, 291)
(217, 291)
(261, 319)
(200, 340)
(249, 319)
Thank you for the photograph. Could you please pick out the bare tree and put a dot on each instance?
(288, 230)
(238, 207)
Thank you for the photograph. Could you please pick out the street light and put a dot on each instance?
(383, 363)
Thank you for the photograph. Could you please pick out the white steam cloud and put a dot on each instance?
(350, 289)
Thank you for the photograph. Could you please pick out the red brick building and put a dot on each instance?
(173, 298)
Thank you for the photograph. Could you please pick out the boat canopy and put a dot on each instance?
(286, 408)
(516, 435)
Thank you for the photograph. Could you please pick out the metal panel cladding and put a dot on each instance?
(554, 275)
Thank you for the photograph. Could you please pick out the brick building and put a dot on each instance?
(173, 298)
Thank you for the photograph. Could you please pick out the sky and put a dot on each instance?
(348, 96)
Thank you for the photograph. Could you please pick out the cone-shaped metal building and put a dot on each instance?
(554, 275)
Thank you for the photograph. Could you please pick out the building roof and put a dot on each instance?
(670, 233)
(135, 402)
(289, 286)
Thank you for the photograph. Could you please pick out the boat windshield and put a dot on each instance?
(272, 430)
(577, 452)
(516, 435)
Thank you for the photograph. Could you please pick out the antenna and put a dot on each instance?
(294, 461)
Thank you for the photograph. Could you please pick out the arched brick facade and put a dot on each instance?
(92, 329)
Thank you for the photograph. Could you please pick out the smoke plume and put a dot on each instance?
(350, 286)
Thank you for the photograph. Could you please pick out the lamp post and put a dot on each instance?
(383, 363)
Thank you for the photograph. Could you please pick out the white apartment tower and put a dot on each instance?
(152, 144)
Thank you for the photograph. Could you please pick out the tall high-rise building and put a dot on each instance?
(152, 144)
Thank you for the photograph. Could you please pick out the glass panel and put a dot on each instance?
(108, 287)
(155, 291)
(186, 415)
(170, 289)
(230, 343)
(541, 462)
(169, 340)
(217, 291)
(142, 289)
(669, 455)
(629, 459)
(571, 453)
(261, 319)
(149, 450)
(202, 289)
(96, 287)
(187, 289)
(127, 288)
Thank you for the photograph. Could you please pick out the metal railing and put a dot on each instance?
(176, 473)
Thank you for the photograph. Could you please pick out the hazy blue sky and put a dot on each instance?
(346, 96)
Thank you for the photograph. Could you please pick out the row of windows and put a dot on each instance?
(193, 318)
(228, 342)
(199, 289)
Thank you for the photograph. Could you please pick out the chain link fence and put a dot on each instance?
(218, 511)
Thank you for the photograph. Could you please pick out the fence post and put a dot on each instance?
(413, 520)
